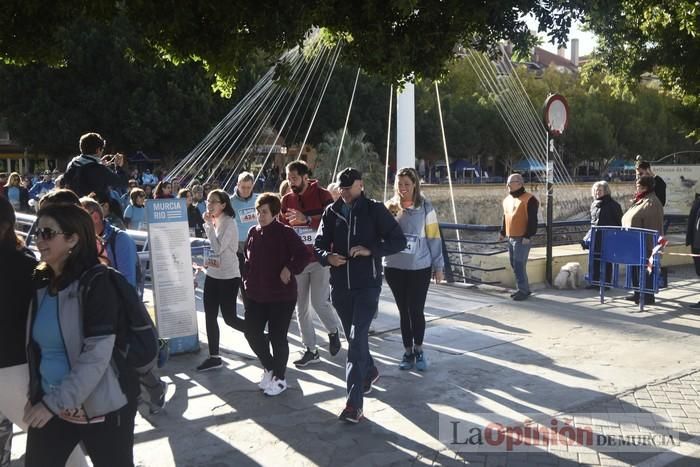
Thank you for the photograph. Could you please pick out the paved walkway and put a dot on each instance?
(557, 354)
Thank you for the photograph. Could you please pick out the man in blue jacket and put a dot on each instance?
(355, 232)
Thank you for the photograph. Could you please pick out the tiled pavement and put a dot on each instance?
(675, 400)
(561, 351)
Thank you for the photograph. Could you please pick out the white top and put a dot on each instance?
(222, 262)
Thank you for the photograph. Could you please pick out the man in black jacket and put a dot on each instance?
(355, 232)
(86, 173)
(644, 168)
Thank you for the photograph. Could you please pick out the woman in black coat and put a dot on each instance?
(692, 237)
(605, 211)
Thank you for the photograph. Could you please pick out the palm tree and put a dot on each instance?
(356, 153)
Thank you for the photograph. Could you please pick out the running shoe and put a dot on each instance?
(265, 380)
(307, 358)
(276, 387)
(421, 361)
(210, 364)
(407, 361)
(350, 415)
(334, 343)
(159, 405)
(372, 378)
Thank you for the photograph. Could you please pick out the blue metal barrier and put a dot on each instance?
(627, 247)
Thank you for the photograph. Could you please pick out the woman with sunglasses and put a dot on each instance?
(222, 271)
(75, 392)
(16, 286)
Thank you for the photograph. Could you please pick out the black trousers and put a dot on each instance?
(109, 443)
(243, 267)
(635, 282)
(276, 316)
(220, 294)
(410, 289)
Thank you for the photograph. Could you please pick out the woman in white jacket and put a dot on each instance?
(223, 274)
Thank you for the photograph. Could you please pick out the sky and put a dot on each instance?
(587, 40)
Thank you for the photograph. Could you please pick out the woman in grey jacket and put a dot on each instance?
(75, 394)
(408, 273)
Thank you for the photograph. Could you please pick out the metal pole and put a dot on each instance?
(550, 217)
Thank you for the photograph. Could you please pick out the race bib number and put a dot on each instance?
(247, 215)
(213, 261)
(411, 244)
(306, 234)
(78, 416)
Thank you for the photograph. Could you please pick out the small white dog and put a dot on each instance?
(569, 276)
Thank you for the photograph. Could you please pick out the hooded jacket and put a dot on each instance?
(86, 174)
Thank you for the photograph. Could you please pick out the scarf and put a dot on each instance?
(639, 196)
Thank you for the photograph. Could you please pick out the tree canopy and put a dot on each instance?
(393, 39)
(108, 84)
(650, 37)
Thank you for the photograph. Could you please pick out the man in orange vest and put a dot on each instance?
(519, 226)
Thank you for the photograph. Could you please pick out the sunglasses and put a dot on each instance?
(46, 234)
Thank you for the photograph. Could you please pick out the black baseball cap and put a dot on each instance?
(348, 176)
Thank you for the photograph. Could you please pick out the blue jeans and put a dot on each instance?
(517, 254)
(356, 309)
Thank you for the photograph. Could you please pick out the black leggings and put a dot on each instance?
(220, 293)
(277, 316)
(109, 443)
(410, 289)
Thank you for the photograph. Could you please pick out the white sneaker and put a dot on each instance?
(266, 379)
(276, 387)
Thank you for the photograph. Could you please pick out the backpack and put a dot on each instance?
(137, 339)
(140, 279)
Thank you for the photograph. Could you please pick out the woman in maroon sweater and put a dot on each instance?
(274, 254)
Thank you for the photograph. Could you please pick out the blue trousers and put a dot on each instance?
(356, 309)
(518, 253)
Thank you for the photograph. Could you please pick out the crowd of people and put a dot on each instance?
(647, 212)
(317, 251)
(309, 248)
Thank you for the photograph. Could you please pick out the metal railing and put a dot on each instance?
(198, 246)
(463, 245)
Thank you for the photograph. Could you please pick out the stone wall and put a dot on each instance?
(481, 204)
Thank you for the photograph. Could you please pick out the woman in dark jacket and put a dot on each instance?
(194, 217)
(274, 254)
(605, 211)
(18, 264)
(692, 237)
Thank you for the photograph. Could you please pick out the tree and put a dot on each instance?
(357, 153)
(648, 36)
(108, 83)
(393, 39)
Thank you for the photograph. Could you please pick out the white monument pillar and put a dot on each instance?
(406, 128)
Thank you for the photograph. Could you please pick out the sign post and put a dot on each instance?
(171, 273)
(556, 120)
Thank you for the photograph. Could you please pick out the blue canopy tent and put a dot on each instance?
(525, 165)
(620, 164)
(461, 167)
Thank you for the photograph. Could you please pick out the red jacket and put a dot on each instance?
(312, 203)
